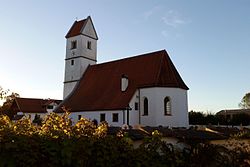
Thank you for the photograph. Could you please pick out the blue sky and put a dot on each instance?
(208, 41)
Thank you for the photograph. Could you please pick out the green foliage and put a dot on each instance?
(210, 155)
(155, 152)
(8, 100)
(3, 93)
(245, 134)
(56, 126)
(245, 102)
(239, 151)
(38, 120)
(59, 143)
(196, 118)
(199, 118)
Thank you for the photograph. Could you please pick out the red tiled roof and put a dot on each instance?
(99, 87)
(30, 105)
(76, 28)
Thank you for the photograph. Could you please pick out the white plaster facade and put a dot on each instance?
(155, 117)
(91, 115)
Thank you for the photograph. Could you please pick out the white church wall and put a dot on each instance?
(75, 70)
(81, 47)
(156, 117)
(133, 113)
(68, 87)
(81, 57)
(84, 51)
(96, 115)
(74, 73)
(73, 52)
(89, 29)
(77, 60)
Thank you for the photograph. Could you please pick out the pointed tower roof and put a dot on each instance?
(78, 27)
(99, 87)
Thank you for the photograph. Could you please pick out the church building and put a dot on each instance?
(144, 90)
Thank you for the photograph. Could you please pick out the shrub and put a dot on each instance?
(59, 143)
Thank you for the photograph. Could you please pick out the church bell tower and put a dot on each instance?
(81, 51)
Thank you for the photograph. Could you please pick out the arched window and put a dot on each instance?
(167, 106)
(145, 106)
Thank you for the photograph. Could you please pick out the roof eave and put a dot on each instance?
(67, 35)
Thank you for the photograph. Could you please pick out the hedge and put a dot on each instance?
(59, 143)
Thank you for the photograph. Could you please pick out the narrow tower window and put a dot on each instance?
(167, 106)
(89, 45)
(73, 44)
(72, 62)
(145, 106)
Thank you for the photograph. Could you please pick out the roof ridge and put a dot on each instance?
(68, 35)
(35, 98)
(131, 57)
(70, 28)
(99, 87)
(235, 109)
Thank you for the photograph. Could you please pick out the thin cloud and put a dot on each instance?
(172, 35)
(169, 20)
(174, 19)
(165, 33)
(151, 12)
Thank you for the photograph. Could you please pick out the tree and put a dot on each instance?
(38, 120)
(3, 93)
(8, 101)
(196, 118)
(245, 102)
(211, 119)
